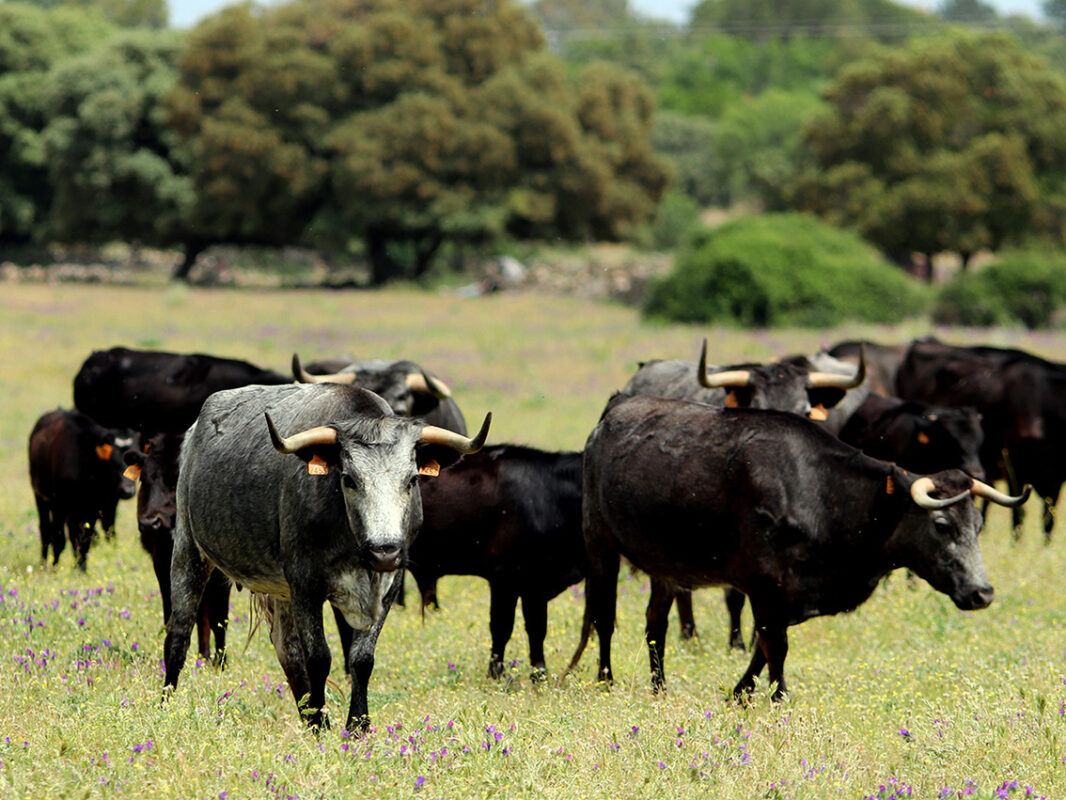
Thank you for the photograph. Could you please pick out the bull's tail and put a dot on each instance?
(586, 629)
(260, 607)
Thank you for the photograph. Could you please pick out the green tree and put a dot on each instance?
(111, 160)
(759, 150)
(405, 124)
(759, 19)
(31, 42)
(950, 143)
(124, 13)
(969, 12)
(687, 142)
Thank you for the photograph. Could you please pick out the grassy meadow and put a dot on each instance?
(905, 697)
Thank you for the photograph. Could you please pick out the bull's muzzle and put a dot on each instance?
(384, 558)
(974, 599)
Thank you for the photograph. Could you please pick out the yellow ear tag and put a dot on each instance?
(317, 466)
(819, 412)
(133, 473)
(890, 487)
(731, 399)
(923, 438)
(431, 468)
(103, 451)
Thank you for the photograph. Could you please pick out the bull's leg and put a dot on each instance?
(360, 666)
(1049, 513)
(401, 594)
(162, 555)
(344, 631)
(218, 593)
(684, 613)
(773, 641)
(502, 604)
(657, 621)
(601, 584)
(107, 520)
(300, 643)
(734, 603)
(746, 684)
(535, 613)
(188, 577)
(81, 539)
(51, 526)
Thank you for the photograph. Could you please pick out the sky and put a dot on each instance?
(184, 13)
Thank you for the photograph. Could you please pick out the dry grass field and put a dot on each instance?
(904, 697)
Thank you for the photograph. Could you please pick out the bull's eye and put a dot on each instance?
(347, 481)
(943, 527)
(412, 484)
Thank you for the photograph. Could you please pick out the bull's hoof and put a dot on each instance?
(658, 684)
(496, 668)
(539, 674)
(736, 642)
(688, 632)
(358, 727)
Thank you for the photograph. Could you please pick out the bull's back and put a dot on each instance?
(237, 496)
(663, 481)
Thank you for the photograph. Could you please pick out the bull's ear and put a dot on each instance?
(432, 458)
(825, 396)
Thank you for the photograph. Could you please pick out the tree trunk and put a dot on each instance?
(184, 267)
(425, 251)
(383, 267)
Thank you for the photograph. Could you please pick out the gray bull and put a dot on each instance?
(326, 513)
(771, 504)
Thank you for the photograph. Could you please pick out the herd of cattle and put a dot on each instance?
(797, 484)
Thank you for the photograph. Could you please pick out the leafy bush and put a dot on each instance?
(1020, 286)
(782, 269)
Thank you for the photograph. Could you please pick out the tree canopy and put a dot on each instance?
(956, 142)
(32, 41)
(404, 124)
(111, 161)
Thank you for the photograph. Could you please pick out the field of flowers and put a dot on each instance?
(906, 697)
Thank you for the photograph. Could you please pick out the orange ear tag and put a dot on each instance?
(890, 487)
(819, 412)
(133, 473)
(103, 451)
(317, 466)
(923, 438)
(431, 468)
(731, 399)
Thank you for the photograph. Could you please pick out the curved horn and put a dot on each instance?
(826, 380)
(298, 441)
(735, 378)
(303, 376)
(981, 489)
(920, 493)
(426, 384)
(431, 434)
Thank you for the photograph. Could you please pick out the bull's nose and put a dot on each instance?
(977, 598)
(385, 559)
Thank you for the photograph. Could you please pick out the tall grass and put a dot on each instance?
(905, 695)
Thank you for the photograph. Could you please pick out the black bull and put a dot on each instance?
(769, 503)
(511, 515)
(154, 391)
(76, 471)
(324, 514)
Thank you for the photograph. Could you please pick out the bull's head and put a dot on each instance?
(408, 389)
(937, 537)
(378, 474)
(784, 387)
